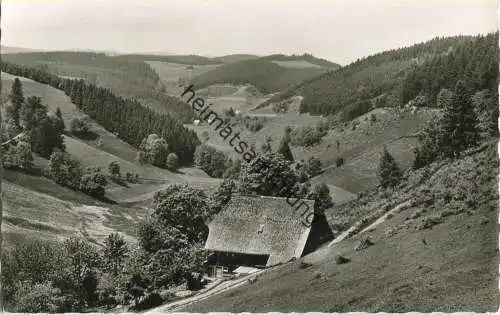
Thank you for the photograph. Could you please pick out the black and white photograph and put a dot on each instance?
(292, 156)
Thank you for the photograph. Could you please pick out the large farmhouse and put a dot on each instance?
(260, 232)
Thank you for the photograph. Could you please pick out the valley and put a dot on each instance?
(398, 156)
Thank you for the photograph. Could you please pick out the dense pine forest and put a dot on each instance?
(265, 75)
(396, 76)
(127, 118)
(182, 59)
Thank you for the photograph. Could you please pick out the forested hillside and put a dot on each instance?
(265, 75)
(182, 59)
(385, 79)
(126, 77)
(473, 61)
(126, 117)
(307, 57)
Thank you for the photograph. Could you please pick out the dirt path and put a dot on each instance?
(381, 219)
(216, 289)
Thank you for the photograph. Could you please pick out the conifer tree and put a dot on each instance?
(388, 170)
(16, 97)
(459, 123)
(59, 121)
(284, 149)
(115, 252)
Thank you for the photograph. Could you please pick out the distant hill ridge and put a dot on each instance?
(383, 79)
(265, 75)
(307, 57)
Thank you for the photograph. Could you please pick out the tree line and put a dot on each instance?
(127, 118)
(473, 61)
(265, 75)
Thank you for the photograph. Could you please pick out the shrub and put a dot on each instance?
(254, 124)
(205, 136)
(313, 166)
(93, 182)
(429, 222)
(148, 301)
(154, 150)
(308, 135)
(64, 170)
(364, 243)
(18, 156)
(212, 161)
(80, 125)
(37, 298)
(172, 161)
(339, 259)
(339, 162)
(114, 168)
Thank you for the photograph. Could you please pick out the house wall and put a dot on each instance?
(234, 260)
(321, 233)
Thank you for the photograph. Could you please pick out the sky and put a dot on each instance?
(338, 30)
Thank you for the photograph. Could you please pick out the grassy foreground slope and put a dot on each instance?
(373, 79)
(430, 254)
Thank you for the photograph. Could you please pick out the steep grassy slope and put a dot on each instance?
(106, 147)
(360, 148)
(433, 253)
(265, 75)
(54, 98)
(37, 208)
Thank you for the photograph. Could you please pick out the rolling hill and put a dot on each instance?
(375, 80)
(127, 78)
(235, 58)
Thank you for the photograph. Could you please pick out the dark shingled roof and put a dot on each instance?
(283, 236)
